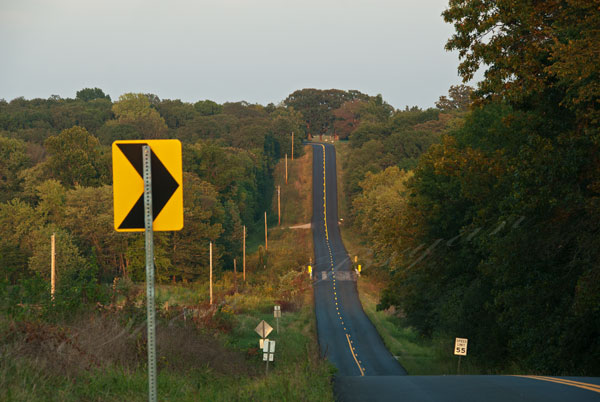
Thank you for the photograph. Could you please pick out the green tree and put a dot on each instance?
(381, 213)
(347, 118)
(208, 108)
(75, 158)
(530, 48)
(68, 256)
(136, 110)
(97, 238)
(88, 94)
(459, 98)
(13, 159)
(175, 112)
(317, 106)
(203, 214)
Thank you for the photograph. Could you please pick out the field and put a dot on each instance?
(204, 352)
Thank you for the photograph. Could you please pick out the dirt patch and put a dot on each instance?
(304, 226)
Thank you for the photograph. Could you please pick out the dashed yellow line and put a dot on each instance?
(352, 349)
(362, 373)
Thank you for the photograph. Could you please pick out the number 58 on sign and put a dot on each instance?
(460, 346)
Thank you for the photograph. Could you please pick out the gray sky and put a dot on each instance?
(226, 50)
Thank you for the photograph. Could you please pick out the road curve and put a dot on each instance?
(366, 369)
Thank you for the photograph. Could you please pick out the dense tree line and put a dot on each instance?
(55, 177)
(317, 106)
(385, 137)
(494, 235)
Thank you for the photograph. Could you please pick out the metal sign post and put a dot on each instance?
(148, 197)
(146, 153)
(52, 265)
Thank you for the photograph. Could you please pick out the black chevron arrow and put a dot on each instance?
(163, 186)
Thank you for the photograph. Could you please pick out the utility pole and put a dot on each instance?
(52, 266)
(210, 288)
(292, 145)
(286, 169)
(279, 205)
(266, 241)
(244, 254)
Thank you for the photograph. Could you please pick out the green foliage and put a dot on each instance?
(13, 159)
(75, 158)
(88, 94)
(459, 98)
(135, 110)
(317, 106)
(175, 112)
(530, 47)
(467, 265)
(208, 108)
(380, 142)
(68, 257)
(380, 211)
(229, 155)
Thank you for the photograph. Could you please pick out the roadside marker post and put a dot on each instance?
(278, 205)
(277, 315)
(148, 196)
(210, 273)
(460, 350)
(235, 274)
(52, 265)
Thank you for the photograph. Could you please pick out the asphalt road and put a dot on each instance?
(346, 336)
(366, 369)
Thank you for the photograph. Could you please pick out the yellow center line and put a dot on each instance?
(583, 385)
(362, 373)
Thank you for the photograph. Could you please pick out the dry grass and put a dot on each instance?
(298, 189)
(101, 340)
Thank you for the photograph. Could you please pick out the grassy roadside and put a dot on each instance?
(417, 355)
(204, 353)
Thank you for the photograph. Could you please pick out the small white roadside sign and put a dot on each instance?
(263, 329)
(268, 350)
(460, 346)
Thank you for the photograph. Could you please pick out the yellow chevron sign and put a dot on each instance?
(128, 185)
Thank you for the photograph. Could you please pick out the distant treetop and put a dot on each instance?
(88, 94)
